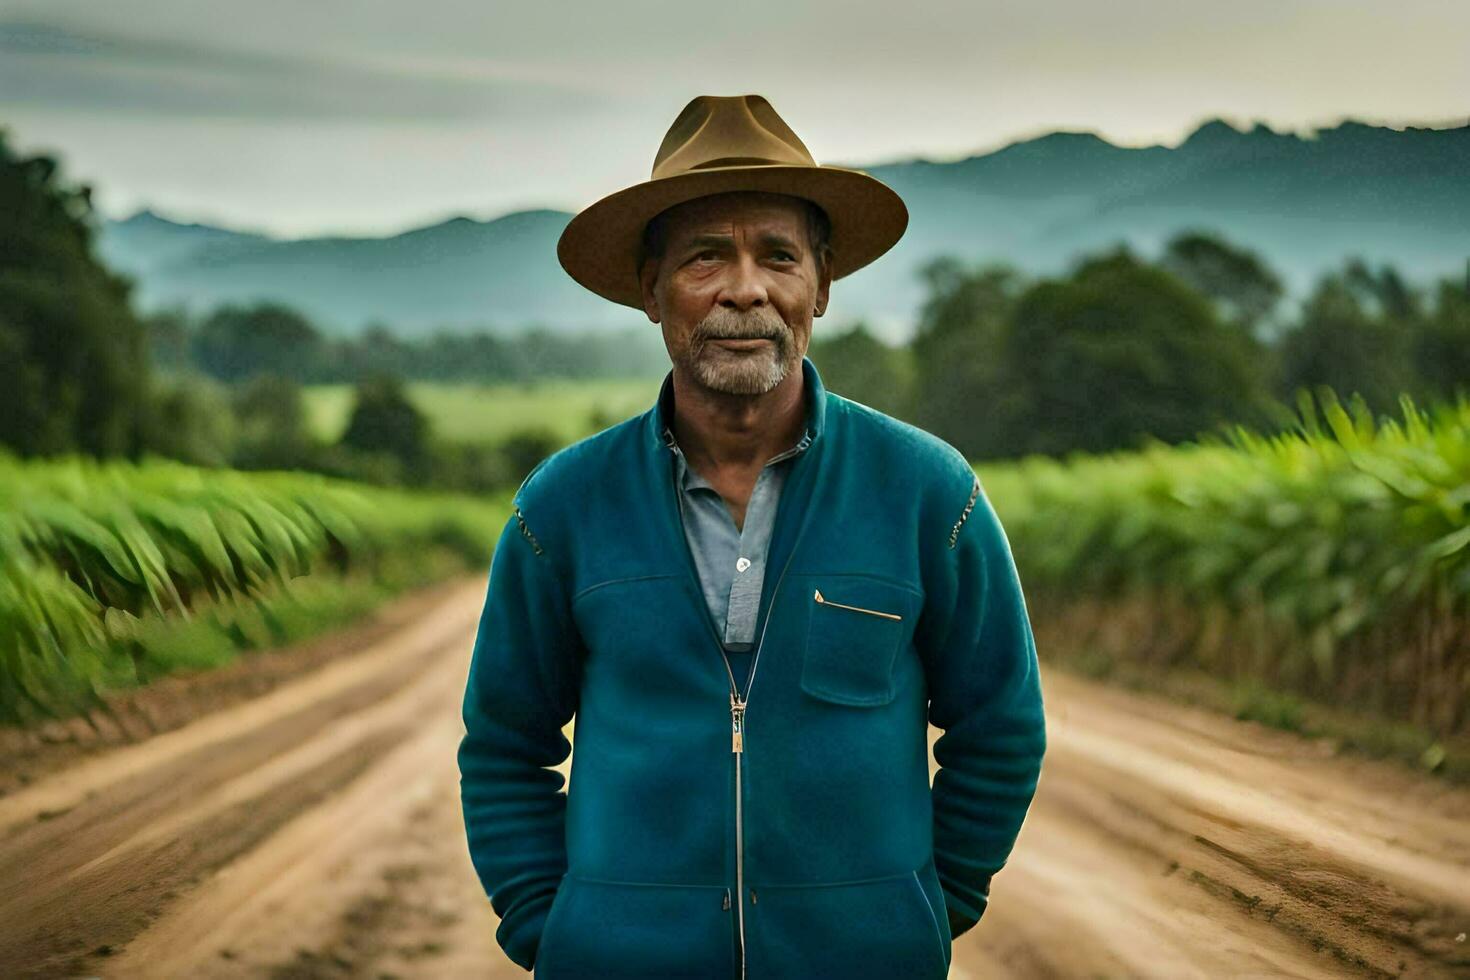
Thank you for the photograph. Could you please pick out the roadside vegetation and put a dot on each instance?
(1313, 574)
(114, 574)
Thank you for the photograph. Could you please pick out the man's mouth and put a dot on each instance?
(741, 343)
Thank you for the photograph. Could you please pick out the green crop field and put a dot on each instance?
(1333, 561)
(112, 574)
(489, 413)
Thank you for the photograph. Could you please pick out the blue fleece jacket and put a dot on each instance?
(790, 829)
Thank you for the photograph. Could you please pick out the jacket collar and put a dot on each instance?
(804, 483)
(661, 416)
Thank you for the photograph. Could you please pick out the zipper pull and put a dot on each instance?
(737, 724)
(726, 906)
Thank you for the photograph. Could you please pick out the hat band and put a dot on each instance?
(745, 162)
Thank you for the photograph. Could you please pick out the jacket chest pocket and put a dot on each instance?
(856, 627)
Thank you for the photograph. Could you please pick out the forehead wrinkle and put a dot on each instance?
(776, 238)
(710, 239)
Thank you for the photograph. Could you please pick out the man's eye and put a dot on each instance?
(784, 256)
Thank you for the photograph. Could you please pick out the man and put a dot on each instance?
(753, 598)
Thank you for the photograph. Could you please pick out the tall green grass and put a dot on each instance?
(1332, 560)
(104, 566)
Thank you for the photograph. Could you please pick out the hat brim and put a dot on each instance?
(599, 247)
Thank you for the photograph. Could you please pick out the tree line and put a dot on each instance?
(1119, 349)
(1122, 349)
(236, 341)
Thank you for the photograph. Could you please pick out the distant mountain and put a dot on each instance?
(458, 273)
(147, 243)
(1304, 202)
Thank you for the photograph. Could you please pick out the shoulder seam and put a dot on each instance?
(516, 507)
(954, 532)
(526, 531)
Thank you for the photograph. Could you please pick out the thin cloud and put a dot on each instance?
(54, 67)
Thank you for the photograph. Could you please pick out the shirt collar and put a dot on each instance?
(660, 417)
(690, 477)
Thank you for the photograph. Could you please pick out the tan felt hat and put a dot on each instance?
(718, 144)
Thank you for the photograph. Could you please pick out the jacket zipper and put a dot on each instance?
(737, 732)
(817, 595)
(737, 705)
(737, 729)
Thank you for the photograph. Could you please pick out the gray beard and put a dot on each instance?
(734, 372)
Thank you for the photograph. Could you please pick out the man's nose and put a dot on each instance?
(744, 286)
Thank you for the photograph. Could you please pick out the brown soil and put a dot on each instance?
(171, 702)
(314, 830)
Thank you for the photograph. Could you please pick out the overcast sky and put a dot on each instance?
(303, 117)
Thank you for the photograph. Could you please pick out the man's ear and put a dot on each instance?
(824, 282)
(647, 276)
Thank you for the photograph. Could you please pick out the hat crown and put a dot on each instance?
(728, 131)
(721, 145)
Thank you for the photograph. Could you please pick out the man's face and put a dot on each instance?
(736, 289)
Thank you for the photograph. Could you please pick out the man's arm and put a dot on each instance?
(523, 688)
(985, 694)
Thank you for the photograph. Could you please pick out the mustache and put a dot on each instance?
(725, 324)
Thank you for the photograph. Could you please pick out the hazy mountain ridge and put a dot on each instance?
(1305, 203)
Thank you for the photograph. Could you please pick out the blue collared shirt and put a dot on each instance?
(731, 561)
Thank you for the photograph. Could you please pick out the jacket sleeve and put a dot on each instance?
(522, 689)
(985, 696)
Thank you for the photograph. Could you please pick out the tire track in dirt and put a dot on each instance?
(1166, 841)
(111, 843)
(379, 872)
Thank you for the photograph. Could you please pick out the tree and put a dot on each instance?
(1442, 346)
(859, 365)
(964, 390)
(1341, 344)
(169, 339)
(271, 419)
(188, 418)
(237, 342)
(524, 448)
(378, 352)
(73, 356)
(1124, 350)
(1245, 289)
(1383, 294)
(385, 421)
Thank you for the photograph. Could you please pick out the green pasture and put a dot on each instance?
(476, 413)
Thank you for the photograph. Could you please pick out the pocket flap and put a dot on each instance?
(855, 628)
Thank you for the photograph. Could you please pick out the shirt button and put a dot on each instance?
(742, 564)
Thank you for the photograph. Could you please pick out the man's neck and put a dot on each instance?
(717, 430)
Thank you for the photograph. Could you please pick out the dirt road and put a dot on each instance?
(314, 831)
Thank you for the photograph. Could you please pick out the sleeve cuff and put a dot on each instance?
(960, 924)
(520, 933)
(961, 918)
